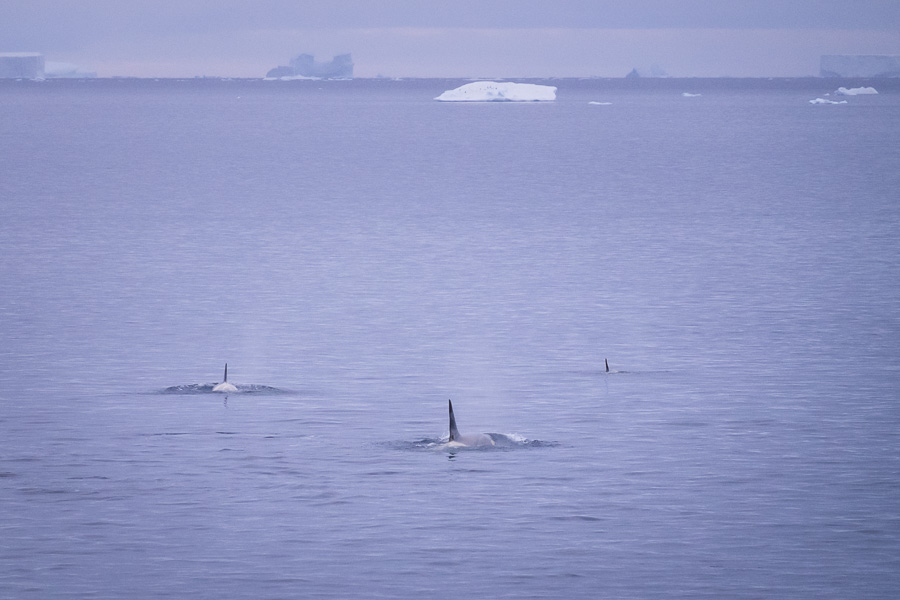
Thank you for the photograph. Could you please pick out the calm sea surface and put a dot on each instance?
(359, 253)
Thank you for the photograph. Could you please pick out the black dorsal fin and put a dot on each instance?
(454, 432)
(607, 365)
(226, 373)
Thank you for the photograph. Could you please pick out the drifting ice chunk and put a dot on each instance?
(492, 91)
(689, 95)
(599, 103)
(826, 101)
(855, 91)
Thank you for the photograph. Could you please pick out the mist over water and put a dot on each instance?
(359, 253)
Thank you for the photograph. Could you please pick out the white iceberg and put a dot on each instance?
(492, 91)
(595, 103)
(690, 95)
(855, 91)
(825, 101)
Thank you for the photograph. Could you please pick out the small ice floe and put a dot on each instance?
(493, 91)
(689, 95)
(826, 101)
(600, 103)
(859, 91)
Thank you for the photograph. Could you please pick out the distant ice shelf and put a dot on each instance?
(492, 91)
(826, 101)
(62, 70)
(305, 66)
(866, 65)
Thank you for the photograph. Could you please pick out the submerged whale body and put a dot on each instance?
(457, 441)
(473, 439)
(224, 387)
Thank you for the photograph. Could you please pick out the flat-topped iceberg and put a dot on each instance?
(826, 101)
(855, 91)
(492, 91)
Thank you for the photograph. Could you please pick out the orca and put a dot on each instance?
(472, 439)
(611, 371)
(224, 387)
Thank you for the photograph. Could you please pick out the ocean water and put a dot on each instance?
(358, 254)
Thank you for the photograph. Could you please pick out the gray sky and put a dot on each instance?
(452, 38)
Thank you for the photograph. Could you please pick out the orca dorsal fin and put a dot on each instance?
(226, 374)
(607, 365)
(454, 432)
